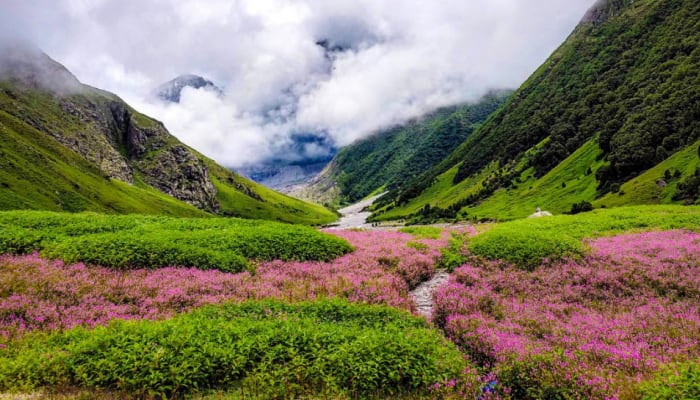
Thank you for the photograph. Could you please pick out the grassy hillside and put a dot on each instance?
(391, 158)
(658, 184)
(37, 172)
(86, 150)
(618, 98)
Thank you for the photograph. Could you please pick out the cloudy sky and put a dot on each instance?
(385, 61)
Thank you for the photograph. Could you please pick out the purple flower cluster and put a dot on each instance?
(605, 321)
(36, 294)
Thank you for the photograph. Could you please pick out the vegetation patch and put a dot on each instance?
(526, 243)
(128, 242)
(678, 382)
(325, 348)
(524, 246)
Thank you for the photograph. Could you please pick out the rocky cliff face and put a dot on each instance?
(161, 160)
(104, 130)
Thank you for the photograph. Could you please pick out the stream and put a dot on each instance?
(355, 218)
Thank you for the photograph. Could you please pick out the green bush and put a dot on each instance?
(455, 254)
(14, 240)
(538, 377)
(583, 206)
(329, 348)
(677, 382)
(116, 250)
(150, 242)
(525, 246)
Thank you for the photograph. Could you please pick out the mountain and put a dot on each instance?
(170, 91)
(611, 118)
(294, 162)
(390, 158)
(68, 146)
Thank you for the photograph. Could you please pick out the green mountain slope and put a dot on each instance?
(389, 159)
(619, 97)
(67, 146)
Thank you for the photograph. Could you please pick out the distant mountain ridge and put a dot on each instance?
(68, 146)
(619, 97)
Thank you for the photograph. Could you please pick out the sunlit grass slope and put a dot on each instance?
(37, 172)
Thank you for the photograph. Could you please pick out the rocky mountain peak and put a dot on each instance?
(171, 90)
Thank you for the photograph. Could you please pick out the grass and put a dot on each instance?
(423, 232)
(527, 242)
(647, 187)
(239, 197)
(566, 184)
(133, 241)
(570, 182)
(268, 349)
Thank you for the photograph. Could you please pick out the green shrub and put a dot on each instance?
(455, 254)
(583, 206)
(14, 240)
(135, 241)
(524, 246)
(117, 250)
(329, 348)
(540, 376)
(676, 381)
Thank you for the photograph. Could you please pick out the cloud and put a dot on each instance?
(338, 69)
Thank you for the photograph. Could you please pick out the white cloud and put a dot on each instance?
(401, 58)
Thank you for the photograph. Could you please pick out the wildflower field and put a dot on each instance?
(612, 313)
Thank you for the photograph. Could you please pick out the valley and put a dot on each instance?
(593, 124)
(402, 262)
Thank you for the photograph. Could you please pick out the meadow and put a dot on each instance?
(613, 313)
(586, 328)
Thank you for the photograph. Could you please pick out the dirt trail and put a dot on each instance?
(423, 294)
